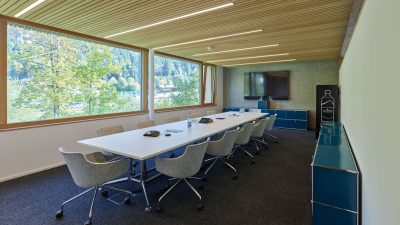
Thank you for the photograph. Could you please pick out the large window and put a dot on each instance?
(52, 76)
(176, 82)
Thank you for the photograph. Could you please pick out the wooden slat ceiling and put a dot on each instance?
(307, 29)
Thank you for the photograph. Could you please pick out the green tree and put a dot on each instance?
(188, 92)
(50, 87)
(89, 76)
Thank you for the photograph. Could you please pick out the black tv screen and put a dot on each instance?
(274, 84)
(278, 84)
(254, 85)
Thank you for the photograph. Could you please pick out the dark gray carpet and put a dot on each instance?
(274, 191)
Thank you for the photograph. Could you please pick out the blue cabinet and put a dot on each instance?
(335, 179)
(286, 118)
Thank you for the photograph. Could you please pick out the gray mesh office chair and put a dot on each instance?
(104, 131)
(243, 138)
(269, 127)
(220, 149)
(183, 168)
(92, 175)
(258, 133)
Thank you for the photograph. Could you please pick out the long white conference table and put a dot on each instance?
(134, 145)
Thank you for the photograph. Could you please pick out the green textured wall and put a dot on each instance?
(304, 76)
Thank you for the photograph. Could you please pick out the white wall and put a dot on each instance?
(304, 76)
(370, 109)
(26, 151)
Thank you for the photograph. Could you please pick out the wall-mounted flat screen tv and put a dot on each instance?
(278, 84)
(254, 85)
(274, 84)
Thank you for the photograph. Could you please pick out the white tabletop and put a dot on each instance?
(134, 145)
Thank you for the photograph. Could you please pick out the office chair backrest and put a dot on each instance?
(172, 119)
(271, 122)
(110, 130)
(211, 112)
(145, 124)
(192, 158)
(223, 146)
(88, 174)
(244, 134)
(259, 128)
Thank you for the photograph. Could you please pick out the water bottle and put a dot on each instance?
(189, 121)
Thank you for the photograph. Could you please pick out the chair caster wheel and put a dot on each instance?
(104, 193)
(235, 177)
(59, 214)
(253, 162)
(276, 142)
(257, 152)
(127, 201)
(201, 187)
(88, 222)
(200, 207)
(158, 209)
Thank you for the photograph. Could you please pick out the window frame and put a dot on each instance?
(4, 125)
(200, 105)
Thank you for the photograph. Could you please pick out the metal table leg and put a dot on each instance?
(143, 177)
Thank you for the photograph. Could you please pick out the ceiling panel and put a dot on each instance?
(307, 29)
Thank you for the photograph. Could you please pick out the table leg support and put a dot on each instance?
(143, 176)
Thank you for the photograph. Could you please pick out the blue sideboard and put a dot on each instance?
(286, 118)
(335, 179)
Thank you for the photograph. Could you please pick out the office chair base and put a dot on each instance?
(104, 193)
(88, 222)
(59, 214)
(200, 207)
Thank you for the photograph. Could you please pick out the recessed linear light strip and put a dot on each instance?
(170, 20)
(239, 49)
(251, 57)
(277, 61)
(209, 39)
(33, 5)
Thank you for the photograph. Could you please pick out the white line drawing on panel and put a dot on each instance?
(327, 107)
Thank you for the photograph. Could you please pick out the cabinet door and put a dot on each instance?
(291, 115)
(335, 187)
(281, 114)
(301, 115)
(325, 215)
(291, 124)
(301, 124)
(280, 123)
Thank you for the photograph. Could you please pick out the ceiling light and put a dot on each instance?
(170, 20)
(251, 57)
(239, 49)
(29, 8)
(277, 61)
(209, 39)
